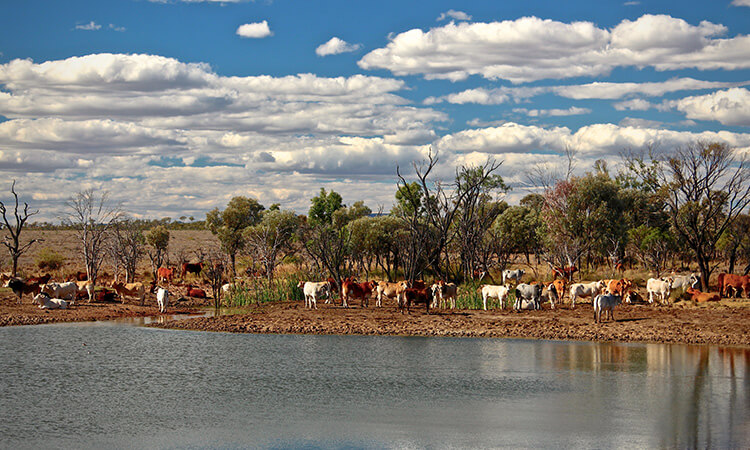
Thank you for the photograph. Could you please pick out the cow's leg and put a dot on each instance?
(484, 302)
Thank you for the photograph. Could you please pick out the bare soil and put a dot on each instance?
(726, 324)
(11, 313)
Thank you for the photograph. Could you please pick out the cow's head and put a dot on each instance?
(694, 280)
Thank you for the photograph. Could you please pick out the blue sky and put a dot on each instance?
(177, 106)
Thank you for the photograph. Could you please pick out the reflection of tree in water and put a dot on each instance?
(712, 411)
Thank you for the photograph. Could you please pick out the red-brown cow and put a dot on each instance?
(352, 289)
(39, 280)
(191, 268)
(165, 274)
(736, 282)
(195, 292)
(416, 296)
(565, 272)
(698, 296)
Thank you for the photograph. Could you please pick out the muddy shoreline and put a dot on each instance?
(726, 325)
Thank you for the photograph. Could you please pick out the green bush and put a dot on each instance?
(48, 259)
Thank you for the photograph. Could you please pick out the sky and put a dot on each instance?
(174, 107)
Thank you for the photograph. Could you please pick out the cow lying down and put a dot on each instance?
(46, 302)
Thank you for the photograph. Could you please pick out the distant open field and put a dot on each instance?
(65, 242)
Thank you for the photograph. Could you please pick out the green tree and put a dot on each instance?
(652, 246)
(343, 216)
(323, 207)
(158, 240)
(228, 225)
(705, 189)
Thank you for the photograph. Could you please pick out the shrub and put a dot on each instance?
(48, 259)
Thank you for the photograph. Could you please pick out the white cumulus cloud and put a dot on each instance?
(254, 30)
(729, 107)
(529, 49)
(336, 46)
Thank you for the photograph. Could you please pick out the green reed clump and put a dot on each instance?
(264, 291)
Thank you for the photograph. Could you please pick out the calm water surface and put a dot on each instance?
(107, 385)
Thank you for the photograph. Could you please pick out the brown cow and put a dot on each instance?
(417, 296)
(20, 287)
(165, 274)
(77, 276)
(191, 268)
(195, 292)
(736, 282)
(105, 295)
(130, 290)
(698, 296)
(352, 289)
(618, 287)
(556, 291)
(565, 272)
(39, 280)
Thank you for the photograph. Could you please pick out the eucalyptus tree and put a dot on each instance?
(706, 187)
(228, 225)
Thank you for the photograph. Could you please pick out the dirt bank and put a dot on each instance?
(721, 324)
(11, 313)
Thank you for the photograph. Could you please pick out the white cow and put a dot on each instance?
(684, 281)
(512, 275)
(313, 290)
(45, 302)
(605, 303)
(584, 290)
(162, 299)
(86, 287)
(442, 292)
(494, 291)
(659, 287)
(61, 290)
(528, 296)
(389, 289)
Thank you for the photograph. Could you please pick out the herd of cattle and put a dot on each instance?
(605, 294)
(60, 295)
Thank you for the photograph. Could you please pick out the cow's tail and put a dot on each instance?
(721, 284)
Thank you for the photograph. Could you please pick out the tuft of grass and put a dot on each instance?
(49, 259)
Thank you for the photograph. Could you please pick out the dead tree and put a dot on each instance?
(92, 217)
(13, 242)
